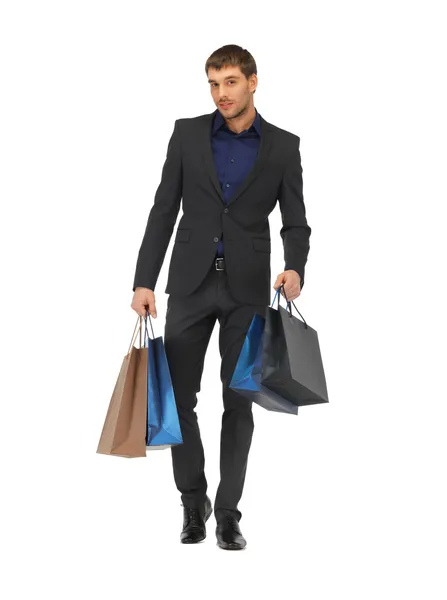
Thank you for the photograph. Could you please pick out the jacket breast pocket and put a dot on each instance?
(182, 235)
(261, 245)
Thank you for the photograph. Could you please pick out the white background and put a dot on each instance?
(345, 500)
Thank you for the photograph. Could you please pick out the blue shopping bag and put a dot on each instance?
(246, 379)
(163, 426)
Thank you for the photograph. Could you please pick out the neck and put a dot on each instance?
(242, 121)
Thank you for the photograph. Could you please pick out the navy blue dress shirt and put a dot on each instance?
(234, 157)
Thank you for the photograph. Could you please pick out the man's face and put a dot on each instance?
(229, 85)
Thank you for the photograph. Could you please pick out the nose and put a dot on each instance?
(218, 90)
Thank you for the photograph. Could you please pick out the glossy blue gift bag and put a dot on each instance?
(163, 426)
(246, 379)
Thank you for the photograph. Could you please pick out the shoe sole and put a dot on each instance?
(206, 516)
(230, 546)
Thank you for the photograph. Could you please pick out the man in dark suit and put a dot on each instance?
(230, 167)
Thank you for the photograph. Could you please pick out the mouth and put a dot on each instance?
(226, 105)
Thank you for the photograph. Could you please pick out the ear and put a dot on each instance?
(253, 82)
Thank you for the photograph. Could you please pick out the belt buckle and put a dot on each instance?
(219, 261)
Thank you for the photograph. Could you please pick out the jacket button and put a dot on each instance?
(225, 210)
(216, 239)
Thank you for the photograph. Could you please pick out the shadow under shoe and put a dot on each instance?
(229, 535)
(194, 520)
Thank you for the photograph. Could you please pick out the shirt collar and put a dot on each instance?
(219, 121)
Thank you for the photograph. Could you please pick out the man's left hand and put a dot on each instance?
(292, 284)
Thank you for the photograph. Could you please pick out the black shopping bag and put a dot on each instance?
(291, 360)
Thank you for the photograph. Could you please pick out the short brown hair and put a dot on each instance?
(232, 55)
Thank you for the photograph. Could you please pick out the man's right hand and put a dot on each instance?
(143, 298)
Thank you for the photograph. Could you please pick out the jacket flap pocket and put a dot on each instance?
(261, 244)
(182, 235)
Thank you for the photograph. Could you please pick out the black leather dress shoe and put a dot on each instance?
(229, 535)
(194, 520)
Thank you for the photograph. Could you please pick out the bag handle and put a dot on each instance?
(135, 332)
(288, 303)
(145, 327)
(134, 335)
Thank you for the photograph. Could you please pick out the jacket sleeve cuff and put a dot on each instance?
(300, 273)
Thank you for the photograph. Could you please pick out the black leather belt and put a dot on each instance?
(219, 264)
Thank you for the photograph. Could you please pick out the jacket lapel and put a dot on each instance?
(259, 164)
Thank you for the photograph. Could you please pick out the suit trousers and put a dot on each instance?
(189, 324)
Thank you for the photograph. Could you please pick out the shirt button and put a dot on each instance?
(216, 239)
(231, 159)
(228, 185)
(225, 210)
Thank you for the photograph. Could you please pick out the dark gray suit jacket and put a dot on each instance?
(189, 173)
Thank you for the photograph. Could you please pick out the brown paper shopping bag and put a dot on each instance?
(124, 430)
